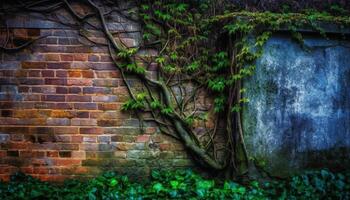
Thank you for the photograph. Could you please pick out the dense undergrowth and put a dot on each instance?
(182, 184)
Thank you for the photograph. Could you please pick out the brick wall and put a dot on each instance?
(60, 103)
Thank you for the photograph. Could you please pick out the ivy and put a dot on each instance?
(179, 184)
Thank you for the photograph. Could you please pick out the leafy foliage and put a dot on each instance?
(181, 184)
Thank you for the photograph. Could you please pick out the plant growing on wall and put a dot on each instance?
(204, 53)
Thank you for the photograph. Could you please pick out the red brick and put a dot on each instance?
(108, 123)
(108, 74)
(58, 65)
(55, 81)
(66, 57)
(142, 138)
(93, 58)
(34, 73)
(52, 154)
(61, 73)
(27, 170)
(33, 65)
(75, 73)
(67, 146)
(87, 74)
(65, 162)
(85, 106)
(80, 57)
(77, 138)
(53, 98)
(61, 90)
(52, 57)
(20, 33)
(109, 106)
(90, 139)
(83, 82)
(66, 130)
(83, 122)
(96, 131)
(47, 73)
(95, 90)
(78, 98)
(61, 114)
(75, 90)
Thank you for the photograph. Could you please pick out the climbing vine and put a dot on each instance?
(196, 94)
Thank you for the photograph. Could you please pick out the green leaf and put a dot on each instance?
(155, 104)
(217, 84)
(113, 182)
(167, 111)
(174, 184)
(157, 187)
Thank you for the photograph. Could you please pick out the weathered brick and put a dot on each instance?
(104, 98)
(66, 130)
(61, 73)
(63, 138)
(65, 154)
(108, 74)
(104, 138)
(78, 98)
(96, 131)
(52, 57)
(87, 74)
(82, 82)
(75, 90)
(55, 81)
(142, 138)
(58, 65)
(52, 153)
(33, 65)
(58, 122)
(108, 123)
(83, 122)
(47, 73)
(80, 57)
(93, 58)
(66, 162)
(90, 139)
(85, 106)
(109, 106)
(95, 90)
(66, 57)
(74, 73)
(61, 90)
(61, 114)
(30, 81)
(105, 82)
(34, 73)
(53, 98)
(78, 154)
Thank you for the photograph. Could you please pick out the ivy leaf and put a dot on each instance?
(194, 66)
(155, 104)
(113, 182)
(167, 111)
(217, 85)
(174, 184)
(219, 104)
(157, 187)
